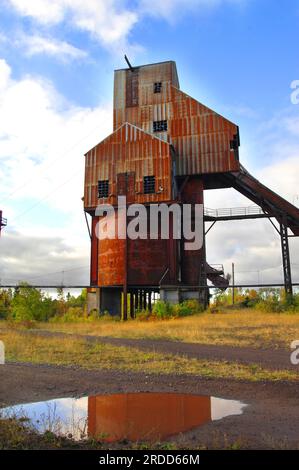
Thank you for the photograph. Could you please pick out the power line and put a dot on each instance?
(39, 201)
(237, 286)
(42, 170)
(47, 274)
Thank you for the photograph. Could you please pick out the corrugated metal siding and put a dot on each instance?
(200, 136)
(128, 150)
(147, 75)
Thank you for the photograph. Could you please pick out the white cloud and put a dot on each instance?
(36, 44)
(109, 21)
(172, 10)
(42, 142)
(254, 245)
(45, 11)
(42, 259)
(5, 72)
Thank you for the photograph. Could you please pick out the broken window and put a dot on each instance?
(149, 185)
(103, 188)
(160, 126)
(157, 87)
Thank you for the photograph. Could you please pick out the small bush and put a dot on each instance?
(73, 314)
(186, 308)
(163, 309)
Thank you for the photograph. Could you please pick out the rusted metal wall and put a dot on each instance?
(128, 150)
(124, 109)
(146, 263)
(201, 137)
(191, 261)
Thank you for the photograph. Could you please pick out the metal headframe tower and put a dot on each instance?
(167, 147)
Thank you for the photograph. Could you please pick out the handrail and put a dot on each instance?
(233, 211)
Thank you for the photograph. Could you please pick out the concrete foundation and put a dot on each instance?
(93, 301)
(175, 295)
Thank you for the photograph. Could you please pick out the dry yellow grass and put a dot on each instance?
(74, 352)
(243, 328)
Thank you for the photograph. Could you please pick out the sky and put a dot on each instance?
(239, 57)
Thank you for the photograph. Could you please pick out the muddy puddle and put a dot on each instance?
(131, 416)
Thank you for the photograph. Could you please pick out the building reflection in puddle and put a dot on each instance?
(146, 416)
(131, 416)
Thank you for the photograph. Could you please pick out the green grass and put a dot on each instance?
(242, 328)
(73, 352)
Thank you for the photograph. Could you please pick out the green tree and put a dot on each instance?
(29, 303)
(5, 303)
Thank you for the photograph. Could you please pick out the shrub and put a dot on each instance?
(187, 307)
(163, 309)
(73, 314)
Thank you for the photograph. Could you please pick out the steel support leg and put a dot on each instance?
(287, 273)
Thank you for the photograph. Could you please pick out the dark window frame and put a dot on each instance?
(157, 87)
(160, 126)
(149, 184)
(103, 189)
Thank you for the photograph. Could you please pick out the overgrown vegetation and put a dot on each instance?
(267, 300)
(28, 305)
(70, 351)
(15, 434)
(249, 323)
(164, 310)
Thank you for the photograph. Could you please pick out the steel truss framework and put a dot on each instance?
(238, 214)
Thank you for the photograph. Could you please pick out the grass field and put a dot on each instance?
(243, 328)
(75, 352)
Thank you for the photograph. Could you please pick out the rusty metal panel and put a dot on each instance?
(140, 83)
(128, 150)
(132, 90)
(147, 261)
(201, 137)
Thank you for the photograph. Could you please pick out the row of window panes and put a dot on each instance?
(149, 186)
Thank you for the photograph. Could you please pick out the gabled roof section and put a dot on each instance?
(199, 108)
(129, 133)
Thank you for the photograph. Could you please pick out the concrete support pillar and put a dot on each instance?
(93, 300)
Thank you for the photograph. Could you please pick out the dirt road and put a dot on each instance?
(271, 420)
(268, 358)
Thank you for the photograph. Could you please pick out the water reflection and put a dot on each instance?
(132, 416)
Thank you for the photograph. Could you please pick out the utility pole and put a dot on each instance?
(233, 282)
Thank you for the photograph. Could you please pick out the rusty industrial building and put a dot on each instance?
(167, 147)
